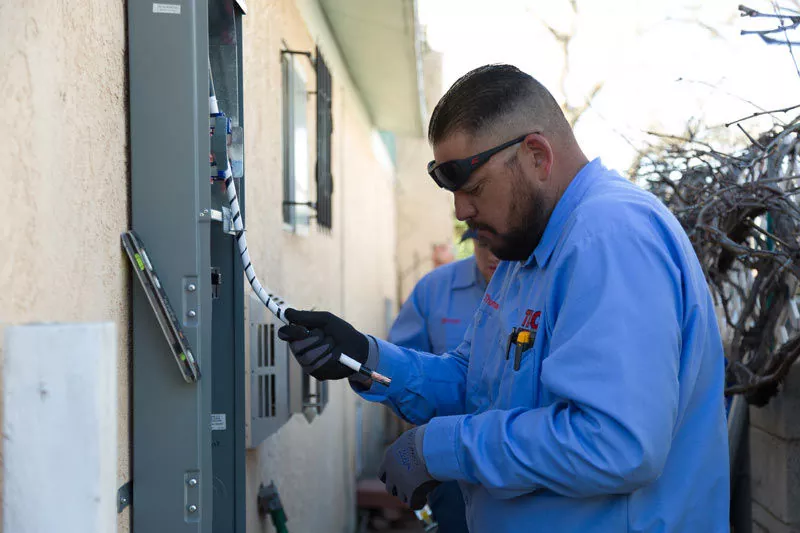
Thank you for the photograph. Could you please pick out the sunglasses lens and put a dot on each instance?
(447, 176)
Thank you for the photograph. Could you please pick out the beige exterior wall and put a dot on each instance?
(63, 143)
(350, 271)
(424, 211)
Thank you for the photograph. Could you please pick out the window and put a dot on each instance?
(297, 204)
(296, 169)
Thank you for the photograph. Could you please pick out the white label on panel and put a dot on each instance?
(218, 422)
(167, 9)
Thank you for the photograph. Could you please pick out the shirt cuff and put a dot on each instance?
(439, 448)
(392, 363)
(359, 381)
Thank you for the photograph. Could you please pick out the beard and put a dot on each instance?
(527, 219)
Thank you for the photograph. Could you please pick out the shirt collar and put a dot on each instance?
(564, 208)
(466, 274)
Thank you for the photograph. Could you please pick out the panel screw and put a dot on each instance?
(123, 500)
(192, 508)
(191, 287)
(192, 482)
(192, 313)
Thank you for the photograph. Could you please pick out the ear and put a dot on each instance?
(538, 152)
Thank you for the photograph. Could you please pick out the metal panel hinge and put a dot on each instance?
(124, 496)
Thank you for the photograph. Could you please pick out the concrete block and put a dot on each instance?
(781, 416)
(775, 464)
(765, 522)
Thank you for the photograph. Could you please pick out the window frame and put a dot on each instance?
(294, 105)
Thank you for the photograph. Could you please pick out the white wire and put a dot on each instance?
(274, 303)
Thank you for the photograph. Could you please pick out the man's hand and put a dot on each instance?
(404, 472)
(317, 339)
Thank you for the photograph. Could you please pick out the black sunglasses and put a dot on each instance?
(452, 175)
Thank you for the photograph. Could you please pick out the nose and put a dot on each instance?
(465, 209)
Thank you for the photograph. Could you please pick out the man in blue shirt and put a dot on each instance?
(434, 319)
(435, 316)
(587, 394)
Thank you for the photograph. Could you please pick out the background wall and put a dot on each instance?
(350, 271)
(63, 136)
(64, 145)
(424, 211)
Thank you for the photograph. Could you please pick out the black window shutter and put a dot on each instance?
(324, 134)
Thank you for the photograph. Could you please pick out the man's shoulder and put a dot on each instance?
(438, 282)
(447, 272)
(616, 207)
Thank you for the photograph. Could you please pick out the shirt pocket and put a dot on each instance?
(520, 388)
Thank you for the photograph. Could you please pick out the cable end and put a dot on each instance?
(380, 378)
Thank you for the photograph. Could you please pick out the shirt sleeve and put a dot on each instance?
(410, 328)
(614, 318)
(423, 385)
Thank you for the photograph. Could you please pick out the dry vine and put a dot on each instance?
(740, 212)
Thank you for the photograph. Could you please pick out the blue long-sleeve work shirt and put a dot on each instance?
(614, 421)
(435, 316)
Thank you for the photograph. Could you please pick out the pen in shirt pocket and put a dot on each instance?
(512, 338)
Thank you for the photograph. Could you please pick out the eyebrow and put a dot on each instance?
(468, 188)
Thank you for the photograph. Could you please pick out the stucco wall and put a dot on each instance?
(424, 211)
(424, 214)
(63, 143)
(349, 271)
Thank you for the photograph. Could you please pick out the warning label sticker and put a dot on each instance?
(167, 9)
(218, 422)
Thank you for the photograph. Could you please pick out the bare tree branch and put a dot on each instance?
(741, 213)
(758, 114)
(564, 39)
(787, 20)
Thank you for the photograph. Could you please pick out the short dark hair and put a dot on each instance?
(484, 95)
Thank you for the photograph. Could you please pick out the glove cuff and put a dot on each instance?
(419, 440)
(373, 358)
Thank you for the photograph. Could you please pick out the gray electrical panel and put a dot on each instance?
(188, 439)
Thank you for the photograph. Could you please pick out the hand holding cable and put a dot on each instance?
(273, 302)
(319, 341)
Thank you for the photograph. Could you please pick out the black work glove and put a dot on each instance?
(317, 339)
(404, 472)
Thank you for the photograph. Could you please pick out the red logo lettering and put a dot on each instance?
(491, 303)
(526, 322)
(531, 320)
(446, 320)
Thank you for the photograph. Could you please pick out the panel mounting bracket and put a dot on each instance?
(124, 496)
